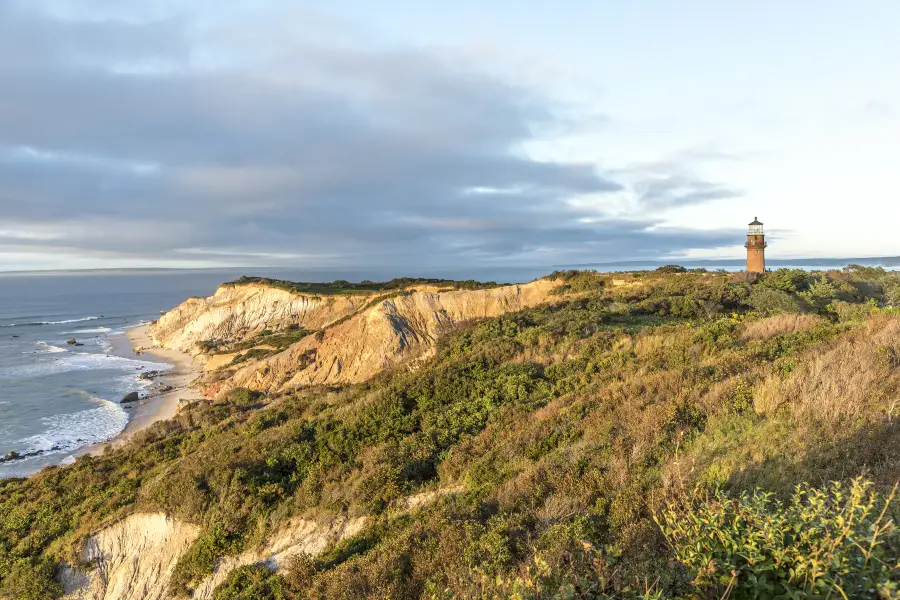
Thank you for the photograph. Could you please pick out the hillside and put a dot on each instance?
(646, 435)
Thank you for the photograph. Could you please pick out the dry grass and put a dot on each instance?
(847, 381)
(779, 324)
(661, 338)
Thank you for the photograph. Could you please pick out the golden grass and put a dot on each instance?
(779, 324)
(846, 381)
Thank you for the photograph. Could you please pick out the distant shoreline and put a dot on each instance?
(733, 261)
(157, 408)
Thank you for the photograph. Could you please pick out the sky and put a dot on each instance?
(434, 135)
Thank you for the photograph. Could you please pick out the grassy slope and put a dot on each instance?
(565, 426)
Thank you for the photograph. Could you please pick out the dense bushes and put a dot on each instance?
(837, 541)
(769, 301)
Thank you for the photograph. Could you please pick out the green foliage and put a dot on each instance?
(278, 340)
(671, 269)
(769, 301)
(849, 311)
(577, 282)
(252, 354)
(256, 582)
(29, 579)
(786, 280)
(200, 560)
(835, 541)
(892, 294)
(820, 293)
(864, 271)
(345, 287)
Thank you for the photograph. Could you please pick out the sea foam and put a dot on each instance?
(90, 330)
(63, 322)
(64, 433)
(63, 362)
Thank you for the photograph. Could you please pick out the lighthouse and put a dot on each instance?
(756, 248)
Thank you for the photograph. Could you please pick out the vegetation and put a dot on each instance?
(272, 342)
(363, 287)
(832, 542)
(556, 444)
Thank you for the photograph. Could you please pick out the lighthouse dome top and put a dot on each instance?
(756, 227)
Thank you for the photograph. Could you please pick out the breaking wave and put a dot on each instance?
(45, 348)
(90, 330)
(63, 322)
(65, 433)
(78, 361)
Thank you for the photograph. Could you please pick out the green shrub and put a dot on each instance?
(671, 269)
(837, 541)
(201, 559)
(768, 301)
(786, 280)
(892, 294)
(848, 311)
(820, 293)
(255, 582)
(30, 580)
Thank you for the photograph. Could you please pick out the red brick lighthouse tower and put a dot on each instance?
(756, 248)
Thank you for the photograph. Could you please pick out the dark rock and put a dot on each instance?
(130, 397)
(12, 456)
(163, 388)
(149, 375)
(72, 342)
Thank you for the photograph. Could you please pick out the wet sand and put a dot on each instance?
(161, 407)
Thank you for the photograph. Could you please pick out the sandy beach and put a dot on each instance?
(164, 406)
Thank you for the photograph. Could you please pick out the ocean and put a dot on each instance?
(57, 398)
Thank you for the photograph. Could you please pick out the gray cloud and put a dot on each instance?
(121, 138)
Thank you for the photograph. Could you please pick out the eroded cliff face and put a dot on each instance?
(299, 536)
(394, 331)
(237, 311)
(134, 559)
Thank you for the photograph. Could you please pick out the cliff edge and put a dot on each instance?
(346, 338)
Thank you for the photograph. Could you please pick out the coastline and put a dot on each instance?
(156, 408)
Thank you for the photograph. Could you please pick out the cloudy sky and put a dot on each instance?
(425, 134)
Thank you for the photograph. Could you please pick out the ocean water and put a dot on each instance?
(56, 398)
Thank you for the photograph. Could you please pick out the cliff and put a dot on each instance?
(235, 312)
(135, 558)
(357, 337)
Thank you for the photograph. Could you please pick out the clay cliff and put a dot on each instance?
(355, 336)
(236, 312)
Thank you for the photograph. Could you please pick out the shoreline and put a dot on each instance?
(185, 370)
